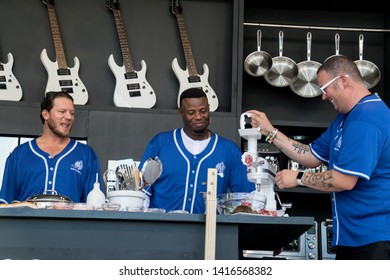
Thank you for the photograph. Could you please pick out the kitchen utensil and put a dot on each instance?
(284, 70)
(230, 203)
(369, 71)
(47, 198)
(337, 46)
(306, 83)
(258, 62)
(151, 170)
(133, 199)
(137, 177)
(119, 173)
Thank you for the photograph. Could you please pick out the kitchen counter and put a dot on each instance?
(83, 234)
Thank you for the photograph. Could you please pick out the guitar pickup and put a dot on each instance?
(68, 90)
(1, 67)
(66, 83)
(131, 75)
(133, 86)
(2, 79)
(135, 93)
(3, 86)
(194, 79)
(63, 71)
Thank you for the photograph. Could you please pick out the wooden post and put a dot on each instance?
(211, 214)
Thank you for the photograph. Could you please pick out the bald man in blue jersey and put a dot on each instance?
(186, 154)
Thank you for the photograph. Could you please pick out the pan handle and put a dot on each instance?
(259, 40)
(281, 35)
(361, 41)
(309, 36)
(337, 43)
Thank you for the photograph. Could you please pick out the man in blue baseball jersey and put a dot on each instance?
(356, 148)
(52, 163)
(186, 153)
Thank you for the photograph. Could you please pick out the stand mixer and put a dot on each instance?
(259, 170)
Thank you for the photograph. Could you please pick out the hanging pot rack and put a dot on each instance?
(316, 27)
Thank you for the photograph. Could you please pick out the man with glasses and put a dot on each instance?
(356, 148)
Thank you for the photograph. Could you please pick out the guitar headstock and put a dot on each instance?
(175, 7)
(113, 5)
(48, 3)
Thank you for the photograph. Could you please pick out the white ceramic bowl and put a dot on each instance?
(131, 199)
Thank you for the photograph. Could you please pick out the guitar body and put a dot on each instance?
(132, 90)
(65, 79)
(185, 82)
(10, 89)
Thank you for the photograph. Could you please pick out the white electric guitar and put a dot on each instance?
(10, 89)
(132, 90)
(60, 76)
(189, 78)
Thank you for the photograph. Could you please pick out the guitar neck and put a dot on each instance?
(126, 54)
(55, 30)
(186, 45)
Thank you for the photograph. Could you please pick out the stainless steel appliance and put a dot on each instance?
(303, 248)
(260, 171)
(328, 252)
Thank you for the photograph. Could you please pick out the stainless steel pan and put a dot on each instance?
(284, 70)
(337, 45)
(369, 71)
(306, 83)
(258, 62)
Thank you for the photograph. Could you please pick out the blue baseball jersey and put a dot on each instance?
(30, 171)
(184, 175)
(358, 144)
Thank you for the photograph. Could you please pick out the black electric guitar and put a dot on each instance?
(189, 78)
(10, 88)
(60, 76)
(132, 90)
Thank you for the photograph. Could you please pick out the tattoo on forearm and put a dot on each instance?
(322, 179)
(300, 148)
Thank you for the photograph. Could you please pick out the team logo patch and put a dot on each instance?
(77, 166)
(338, 143)
(220, 169)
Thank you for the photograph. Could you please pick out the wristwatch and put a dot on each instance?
(299, 178)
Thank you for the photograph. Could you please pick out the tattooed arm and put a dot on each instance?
(328, 181)
(293, 149)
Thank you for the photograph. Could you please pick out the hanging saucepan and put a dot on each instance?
(337, 46)
(369, 71)
(284, 70)
(306, 83)
(258, 62)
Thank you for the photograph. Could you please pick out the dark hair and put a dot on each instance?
(192, 93)
(341, 65)
(48, 100)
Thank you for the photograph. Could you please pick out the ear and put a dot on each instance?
(45, 114)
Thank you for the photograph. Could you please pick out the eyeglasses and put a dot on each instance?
(323, 88)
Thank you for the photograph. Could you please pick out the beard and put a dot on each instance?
(200, 131)
(52, 126)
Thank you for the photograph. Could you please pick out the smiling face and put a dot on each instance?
(60, 118)
(196, 117)
(332, 88)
